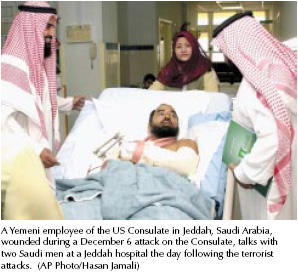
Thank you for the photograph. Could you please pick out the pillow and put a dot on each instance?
(129, 112)
(209, 132)
(202, 98)
(205, 102)
(84, 137)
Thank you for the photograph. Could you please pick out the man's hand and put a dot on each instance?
(78, 102)
(48, 159)
(245, 186)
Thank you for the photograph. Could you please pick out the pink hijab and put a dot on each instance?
(271, 68)
(177, 73)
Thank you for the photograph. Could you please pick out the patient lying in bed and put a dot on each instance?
(161, 148)
(124, 190)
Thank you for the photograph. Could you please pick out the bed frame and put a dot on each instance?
(231, 209)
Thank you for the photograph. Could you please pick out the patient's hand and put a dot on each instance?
(48, 159)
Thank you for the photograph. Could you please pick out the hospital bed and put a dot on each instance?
(203, 117)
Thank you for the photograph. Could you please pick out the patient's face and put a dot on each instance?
(164, 122)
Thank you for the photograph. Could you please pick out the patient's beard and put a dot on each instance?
(165, 131)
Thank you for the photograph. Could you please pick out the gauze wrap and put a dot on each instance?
(183, 161)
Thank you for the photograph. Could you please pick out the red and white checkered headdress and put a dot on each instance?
(271, 68)
(25, 42)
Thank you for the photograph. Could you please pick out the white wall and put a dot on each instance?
(192, 14)
(80, 78)
(123, 22)
(172, 11)
(274, 14)
(110, 21)
(288, 20)
(137, 22)
(137, 26)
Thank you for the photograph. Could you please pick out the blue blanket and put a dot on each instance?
(127, 191)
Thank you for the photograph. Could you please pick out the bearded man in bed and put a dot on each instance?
(125, 191)
(162, 148)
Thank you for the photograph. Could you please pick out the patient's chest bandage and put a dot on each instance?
(127, 150)
(183, 161)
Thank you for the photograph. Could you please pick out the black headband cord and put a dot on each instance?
(37, 9)
(230, 21)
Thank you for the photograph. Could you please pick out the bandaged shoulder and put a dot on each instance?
(183, 161)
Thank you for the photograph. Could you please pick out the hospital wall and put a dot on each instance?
(288, 20)
(284, 17)
(139, 34)
(135, 26)
(102, 17)
(190, 14)
(82, 74)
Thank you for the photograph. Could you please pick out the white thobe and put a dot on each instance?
(257, 167)
(16, 122)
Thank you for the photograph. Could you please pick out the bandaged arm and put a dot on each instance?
(183, 161)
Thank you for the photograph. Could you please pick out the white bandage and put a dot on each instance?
(183, 161)
(113, 153)
(127, 150)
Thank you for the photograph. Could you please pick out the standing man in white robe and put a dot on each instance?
(29, 105)
(266, 103)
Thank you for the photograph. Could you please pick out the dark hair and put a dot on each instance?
(152, 114)
(184, 26)
(149, 77)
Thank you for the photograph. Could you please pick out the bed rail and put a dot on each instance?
(229, 197)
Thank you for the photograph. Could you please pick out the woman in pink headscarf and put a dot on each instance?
(188, 69)
(266, 103)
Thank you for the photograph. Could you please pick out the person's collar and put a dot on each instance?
(161, 142)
